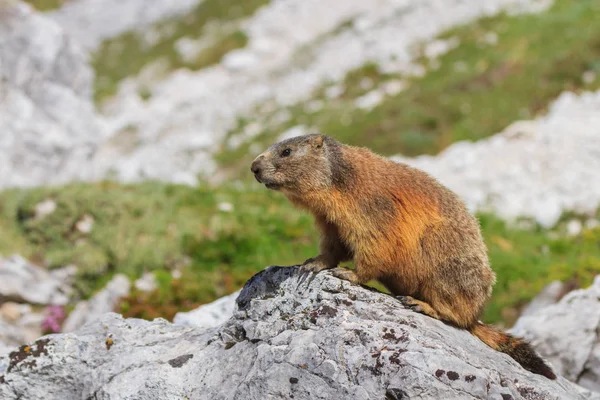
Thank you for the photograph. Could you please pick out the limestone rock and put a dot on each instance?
(103, 302)
(306, 337)
(568, 334)
(23, 282)
(48, 122)
(209, 315)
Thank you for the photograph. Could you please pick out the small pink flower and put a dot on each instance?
(55, 315)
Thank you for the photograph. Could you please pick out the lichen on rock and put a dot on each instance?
(290, 335)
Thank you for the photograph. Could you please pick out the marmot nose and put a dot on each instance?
(255, 168)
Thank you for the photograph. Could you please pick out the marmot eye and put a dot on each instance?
(286, 152)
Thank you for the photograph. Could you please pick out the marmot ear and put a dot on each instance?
(316, 141)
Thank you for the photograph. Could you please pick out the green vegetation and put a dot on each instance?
(506, 68)
(46, 5)
(219, 237)
(127, 54)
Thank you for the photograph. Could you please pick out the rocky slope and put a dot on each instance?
(294, 47)
(50, 128)
(289, 336)
(568, 334)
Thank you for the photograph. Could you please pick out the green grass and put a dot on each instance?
(160, 227)
(46, 5)
(127, 54)
(476, 90)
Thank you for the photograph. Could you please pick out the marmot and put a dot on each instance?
(399, 225)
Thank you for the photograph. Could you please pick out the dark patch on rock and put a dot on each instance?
(452, 375)
(395, 358)
(2, 379)
(395, 394)
(231, 335)
(529, 393)
(26, 351)
(322, 311)
(376, 369)
(178, 362)
(470, 378)
(439, 373)
(293, 380)
(409, 323)
(264, 284)
(391, 335)
(347, 302)
(506, 396)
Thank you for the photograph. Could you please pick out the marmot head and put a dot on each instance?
(299, 165)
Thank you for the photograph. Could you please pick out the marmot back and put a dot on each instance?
(399, 225)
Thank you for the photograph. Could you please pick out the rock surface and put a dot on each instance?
(23, 282)
(307, 338)
(91, 21)
(104, 301)
(48, 123)
(568, 334)
(209, 315)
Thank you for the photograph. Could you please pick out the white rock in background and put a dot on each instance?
(22, 281)
(209, 315)
(91, 21)
(566, 334)
(225, 207)
(49, 127)
(19, 325)
(534, 168)
(369, 100)
(103, 302)
(190, 113)
(574, 227)
(85, 224)
(393, 87)
(294, 131)
(549, 295)
(44, 208)
(146, 283)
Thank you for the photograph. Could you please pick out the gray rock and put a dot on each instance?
(549, 295)
(92, 21)
(23, 282)
(19, 324)
(568, 334)
(209, 315)
(314, 338)
(104, 301)
(48, 122)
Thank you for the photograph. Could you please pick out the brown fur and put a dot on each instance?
(399, 225)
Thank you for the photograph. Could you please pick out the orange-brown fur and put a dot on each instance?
(399, 226)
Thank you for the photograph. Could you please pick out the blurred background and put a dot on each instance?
(127, 128)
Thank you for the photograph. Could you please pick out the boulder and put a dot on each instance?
(49, 125)
(23, 282)
(568, 334)
(209, 315)
(104, 301)
(291, 336)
